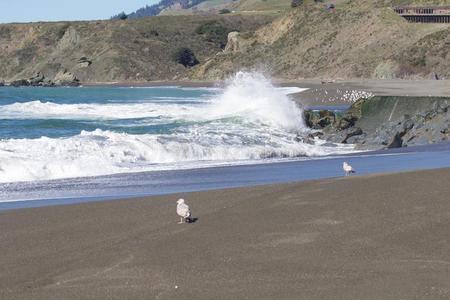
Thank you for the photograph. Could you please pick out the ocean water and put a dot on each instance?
(56, 133)
(129, 185)
(71, 145)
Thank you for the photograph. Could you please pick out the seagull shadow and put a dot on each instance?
(191, 220)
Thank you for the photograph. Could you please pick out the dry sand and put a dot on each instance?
(320, 93)
(368, 237)
(337, 92)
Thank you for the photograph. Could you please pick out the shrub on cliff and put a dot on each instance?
(215, 32)
(296, 3)
(186, 57)
(224, 11)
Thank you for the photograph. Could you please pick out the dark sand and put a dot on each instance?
(368, 237)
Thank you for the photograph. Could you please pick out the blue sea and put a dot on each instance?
(65, 145)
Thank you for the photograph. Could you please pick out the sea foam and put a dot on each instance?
(247, 121)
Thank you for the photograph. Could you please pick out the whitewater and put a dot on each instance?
(79, 132)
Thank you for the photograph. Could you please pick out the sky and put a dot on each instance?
(65, 10)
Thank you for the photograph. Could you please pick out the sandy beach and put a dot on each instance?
(322, 92)
(311, 140)
(364, 237)
(346, 91)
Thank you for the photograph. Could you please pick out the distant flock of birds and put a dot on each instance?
(184, 211)
(347, 96)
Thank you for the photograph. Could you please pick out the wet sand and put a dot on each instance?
(367, 237)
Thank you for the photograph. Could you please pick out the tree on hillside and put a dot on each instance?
(121, 16)
(155, 9)
(186, 57)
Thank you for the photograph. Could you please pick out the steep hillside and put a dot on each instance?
(131, 50)
(428, 56)
(357, 39)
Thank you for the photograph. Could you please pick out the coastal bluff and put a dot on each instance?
(111, 51)
(356, 39)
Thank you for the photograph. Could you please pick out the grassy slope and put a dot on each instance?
(359, 39)
(239, 6)
(134, 50)
(260, 5)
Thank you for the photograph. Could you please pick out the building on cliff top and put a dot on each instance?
(425, 14)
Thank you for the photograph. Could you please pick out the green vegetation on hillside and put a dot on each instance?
(215, 32)
(186, 57)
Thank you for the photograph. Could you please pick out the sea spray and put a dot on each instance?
(253, 96)
(249, 120)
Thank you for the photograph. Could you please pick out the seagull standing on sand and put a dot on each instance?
(183, 211)
(347, 168)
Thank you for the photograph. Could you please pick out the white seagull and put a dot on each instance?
(347, 168)
(183, 211)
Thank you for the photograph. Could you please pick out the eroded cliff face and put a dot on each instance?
(357, 39)
(109, 51)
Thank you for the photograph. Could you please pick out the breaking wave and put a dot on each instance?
(247, 121)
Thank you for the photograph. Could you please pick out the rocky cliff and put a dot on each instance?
(386, 122)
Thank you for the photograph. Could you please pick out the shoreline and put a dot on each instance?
(66, 191)
(321, 92)
(387, 238)
(367, 82)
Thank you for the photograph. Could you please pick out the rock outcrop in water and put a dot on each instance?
(385, 122)
(63, 78)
